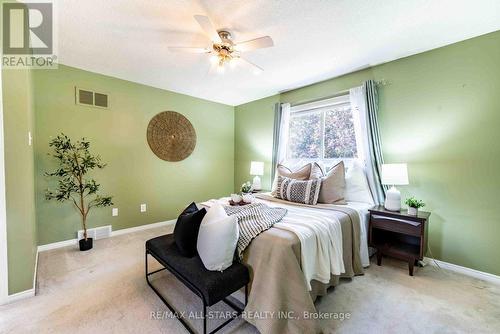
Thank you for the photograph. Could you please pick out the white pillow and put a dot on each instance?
(217, 239)
(215, 213)
(356, 185)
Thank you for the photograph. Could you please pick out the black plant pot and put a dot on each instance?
(85, 245)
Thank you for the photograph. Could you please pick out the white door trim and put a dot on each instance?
(4, 274)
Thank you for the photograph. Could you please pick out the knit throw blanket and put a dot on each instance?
(253, 219)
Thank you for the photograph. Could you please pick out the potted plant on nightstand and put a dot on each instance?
(75, 161)
(413, 205)
(246, 188)
(246, 192)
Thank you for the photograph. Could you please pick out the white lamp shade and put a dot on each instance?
(394, 174)
(257, 168)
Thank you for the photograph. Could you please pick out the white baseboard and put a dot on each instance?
(19, 296)
(26, 293)
(74, 242)
(142, 227)
(60, 244)
(35, 275)
(464, 270)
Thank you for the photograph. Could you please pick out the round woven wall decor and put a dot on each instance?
(171, 136)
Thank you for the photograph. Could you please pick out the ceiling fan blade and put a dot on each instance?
(187, 49)
(256, 68)
(253, 44)
(208, 28)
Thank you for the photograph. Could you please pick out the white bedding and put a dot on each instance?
(320, 235)
(360, 207)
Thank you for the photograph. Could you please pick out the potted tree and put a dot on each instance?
(413, 205)
(75, 162)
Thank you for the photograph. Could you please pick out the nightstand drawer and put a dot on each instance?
(399, 226)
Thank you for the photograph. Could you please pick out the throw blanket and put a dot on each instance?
(254, 219)
(320, 236)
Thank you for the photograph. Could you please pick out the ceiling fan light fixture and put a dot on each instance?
(214, 59)
(223, 50)
(221, 69)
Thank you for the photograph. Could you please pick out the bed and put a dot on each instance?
(280, 296)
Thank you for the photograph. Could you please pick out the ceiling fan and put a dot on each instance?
(222, 49)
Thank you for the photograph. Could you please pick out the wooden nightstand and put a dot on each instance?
(260, 191)
(398, 234)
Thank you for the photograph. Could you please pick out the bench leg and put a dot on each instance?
(204, 314)
(246, 295)
(204, 318)
(174, 312)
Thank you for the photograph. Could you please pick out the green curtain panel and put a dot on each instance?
(374, 144)
(276, 136)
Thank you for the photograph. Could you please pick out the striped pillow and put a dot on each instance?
(298, 191)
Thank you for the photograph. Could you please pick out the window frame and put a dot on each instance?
(321, 107)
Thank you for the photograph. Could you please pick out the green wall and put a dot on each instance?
(440, 113)
(19, 178)
(253, 139)
(134, 175)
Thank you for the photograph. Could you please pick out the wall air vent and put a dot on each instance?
(102, 232)
(100, 100)
(96, 233)
(87, 97)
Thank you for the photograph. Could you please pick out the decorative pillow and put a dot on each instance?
(298, 191)
(317, 170)
(214, 214)
(302, 173)
(357, 189)
(186, 229)
(217, 239)
(333, 186)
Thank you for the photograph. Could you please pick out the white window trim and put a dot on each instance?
(319, 107)
(4, 274)
(320, 104)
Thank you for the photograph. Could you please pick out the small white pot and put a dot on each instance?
(247, 198)
(236, 198)
(412, 211)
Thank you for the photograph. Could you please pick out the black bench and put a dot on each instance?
(211, 286)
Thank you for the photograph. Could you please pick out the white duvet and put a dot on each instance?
(320, 235)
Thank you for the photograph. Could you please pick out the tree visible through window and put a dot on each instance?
(326, 133)
(305, 136)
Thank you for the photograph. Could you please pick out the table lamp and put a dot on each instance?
(394, 175)
(256, 169)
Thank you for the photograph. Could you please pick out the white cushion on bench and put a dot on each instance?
(217, 239)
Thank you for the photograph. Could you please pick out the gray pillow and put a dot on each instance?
(298, 191)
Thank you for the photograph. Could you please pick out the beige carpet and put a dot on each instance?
(104, 291)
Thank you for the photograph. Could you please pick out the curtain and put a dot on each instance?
(280, 135)
(364, 103)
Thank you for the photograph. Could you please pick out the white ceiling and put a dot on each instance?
(314, 39)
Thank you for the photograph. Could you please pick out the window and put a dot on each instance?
(324, 130)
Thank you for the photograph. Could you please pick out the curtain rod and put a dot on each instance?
(382, 82)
